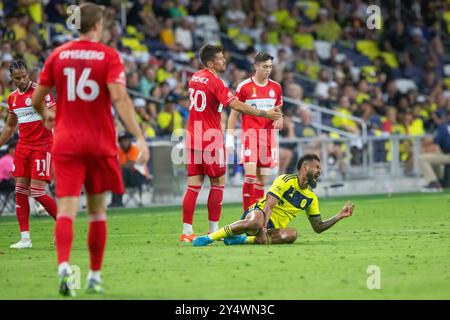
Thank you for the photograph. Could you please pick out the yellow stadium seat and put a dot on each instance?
(131, 43)
(311, 8)
(390, 59)
(273, 37)
(304, 41)
(281, 16)
(368, 48)
(447, 83)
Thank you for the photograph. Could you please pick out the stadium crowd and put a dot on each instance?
(323, 51)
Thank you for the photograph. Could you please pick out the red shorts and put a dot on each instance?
(33, 164)
(97, 173)
(259, 150)
(205, 163)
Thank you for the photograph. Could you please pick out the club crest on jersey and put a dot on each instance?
(272, 93)
(28, 101)
(254, 93)
(47, 98)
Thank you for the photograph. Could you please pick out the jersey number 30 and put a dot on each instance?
(194, 96)
(75, 88)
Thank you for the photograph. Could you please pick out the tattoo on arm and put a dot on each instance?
(262, 113)
(320, 226)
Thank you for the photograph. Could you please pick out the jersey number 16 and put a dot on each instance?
(75, 88)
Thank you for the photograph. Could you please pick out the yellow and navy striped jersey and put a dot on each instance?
(292, 200)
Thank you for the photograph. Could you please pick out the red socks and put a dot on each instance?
(215, 203)
(22, 206)
(63, 238)
(189, 202)
(247, 190)
(258, 192)
(49, 204)
(97, 240)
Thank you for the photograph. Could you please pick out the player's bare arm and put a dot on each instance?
(320, 226)
(124, 107)
(268, 207)
(278, 124)
(231, 126)
(38, 103)
(272, 114)
(9, 129)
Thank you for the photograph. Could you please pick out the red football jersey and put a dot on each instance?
(260, 97)
(208, 95)
(81, 70)
(33, 135)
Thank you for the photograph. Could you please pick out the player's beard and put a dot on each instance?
(310, 176)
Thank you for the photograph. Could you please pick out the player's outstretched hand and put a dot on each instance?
(49, 118)
(278, 124)
(274, 114)
(347, 210)
(144, 153)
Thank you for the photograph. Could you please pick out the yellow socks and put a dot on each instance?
(221, 233)
(250, 240)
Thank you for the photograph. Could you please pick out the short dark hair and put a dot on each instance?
(17, 64)
(90, 15)
(305, 158)
(262, 56)
(208, 51)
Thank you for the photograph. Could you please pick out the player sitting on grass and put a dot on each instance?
(266, 222)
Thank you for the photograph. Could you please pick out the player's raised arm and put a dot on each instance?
(124, 107)
(9, 129)
(272, 114)
(320, 226)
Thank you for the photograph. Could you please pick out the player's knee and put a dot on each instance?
(254, 225)
(289, 236)
(261, 238)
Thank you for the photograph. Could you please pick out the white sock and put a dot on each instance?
(96, 275)
(213, 226)
(187, 229)
(64, 266)
(25, 235)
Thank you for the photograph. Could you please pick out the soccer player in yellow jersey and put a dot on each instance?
(267, 220)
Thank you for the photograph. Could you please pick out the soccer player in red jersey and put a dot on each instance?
(259, 149)
(204, 144)
(88, 76)
(32, 167)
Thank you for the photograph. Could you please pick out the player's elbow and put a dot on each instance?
(318, 229)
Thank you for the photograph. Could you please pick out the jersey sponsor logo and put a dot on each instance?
(261, 104)
(27, 115)
(82, 55)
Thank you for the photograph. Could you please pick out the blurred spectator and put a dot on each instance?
(6, 167)
(133, 175)
(430, 162)
(169, 119)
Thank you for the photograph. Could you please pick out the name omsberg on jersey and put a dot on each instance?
(33, 135)
(81, 70)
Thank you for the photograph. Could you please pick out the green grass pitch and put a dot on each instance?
(406, 236)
